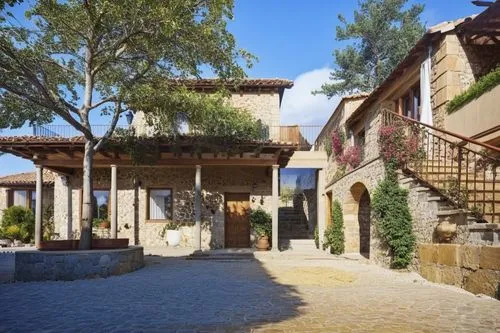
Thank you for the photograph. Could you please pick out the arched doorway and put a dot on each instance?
(357, 220)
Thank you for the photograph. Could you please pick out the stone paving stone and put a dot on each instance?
(176, 295)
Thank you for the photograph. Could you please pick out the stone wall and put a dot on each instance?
(264, 106)
(132, 223)
(474, 268)
(76, 265)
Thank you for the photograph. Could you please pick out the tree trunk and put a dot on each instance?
(87, 209)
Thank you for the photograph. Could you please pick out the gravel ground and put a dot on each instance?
(280, 295)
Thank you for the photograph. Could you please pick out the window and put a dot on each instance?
(409, 103)
(25, 198)
(101, 204)
(160, 204)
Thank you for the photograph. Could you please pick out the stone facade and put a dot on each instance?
(474, 268)
(76, 265)
(133, 186)
(264, 106)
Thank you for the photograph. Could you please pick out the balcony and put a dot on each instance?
(302, 136)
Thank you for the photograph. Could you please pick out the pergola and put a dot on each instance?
(65, 155)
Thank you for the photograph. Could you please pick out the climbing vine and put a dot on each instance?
(334, 234)
(393, 219)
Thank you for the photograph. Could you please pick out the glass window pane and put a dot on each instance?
(160, 204)
(33, 200)
(21, 198)
(101, 204)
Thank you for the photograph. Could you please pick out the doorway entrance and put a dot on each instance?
(237, 221)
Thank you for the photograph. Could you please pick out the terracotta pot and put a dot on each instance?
(105, 224)
(262, 243)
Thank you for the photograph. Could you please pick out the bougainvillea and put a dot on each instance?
(399, 146)
(351, 157)
(338, 139)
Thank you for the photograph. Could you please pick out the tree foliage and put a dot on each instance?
(18, 223)
(384, 31)
(78, 57)
(393, 218)
(334, 234)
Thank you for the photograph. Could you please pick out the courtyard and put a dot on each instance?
(280, 294)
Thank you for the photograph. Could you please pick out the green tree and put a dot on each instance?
(384, 31)
(78, 57)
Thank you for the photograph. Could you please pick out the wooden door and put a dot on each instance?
(237, 222)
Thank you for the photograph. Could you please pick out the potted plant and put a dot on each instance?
(101, 223)
(173, 233)
(261, 223)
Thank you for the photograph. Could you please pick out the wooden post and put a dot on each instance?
(275, 207)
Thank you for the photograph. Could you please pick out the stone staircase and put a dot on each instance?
(435, 208)
(475, 189)
(292, 224)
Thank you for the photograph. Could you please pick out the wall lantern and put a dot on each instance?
(130, 117)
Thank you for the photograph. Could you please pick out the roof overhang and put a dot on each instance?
(65, 155)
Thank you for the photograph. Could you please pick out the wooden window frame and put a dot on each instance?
(148, 191)
(10, 196)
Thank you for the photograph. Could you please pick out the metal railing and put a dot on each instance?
(462, 169)
(301, 135)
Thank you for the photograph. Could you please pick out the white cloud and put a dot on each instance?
(301, 107)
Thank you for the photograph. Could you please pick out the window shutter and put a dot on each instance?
(10, 197)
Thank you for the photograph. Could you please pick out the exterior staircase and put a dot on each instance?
(459, 173)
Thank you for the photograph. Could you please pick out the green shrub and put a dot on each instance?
(261, 222)
(393, 219)
(18, 223)
(334, 234)
(484, 84)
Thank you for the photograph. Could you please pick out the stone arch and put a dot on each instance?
(357, 220)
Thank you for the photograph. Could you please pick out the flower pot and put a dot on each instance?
(105, 224)
(173, 237)
(262, 243)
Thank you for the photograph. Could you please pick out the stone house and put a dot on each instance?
(20, 190)
(445, 62)
(208, 193)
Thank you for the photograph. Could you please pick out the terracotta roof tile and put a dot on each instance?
(27, 178)
(243, 83)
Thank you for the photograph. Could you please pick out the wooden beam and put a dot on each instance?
(163, 162)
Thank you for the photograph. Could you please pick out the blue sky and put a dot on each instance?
(293, 39)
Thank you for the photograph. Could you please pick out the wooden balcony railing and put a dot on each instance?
(462, 169)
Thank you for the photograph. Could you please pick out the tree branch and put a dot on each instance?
(112, 126)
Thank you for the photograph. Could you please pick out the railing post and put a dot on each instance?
(460, 170)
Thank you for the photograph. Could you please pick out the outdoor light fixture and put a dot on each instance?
(130, 117)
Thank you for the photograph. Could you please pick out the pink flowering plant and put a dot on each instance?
(338, 139)
(399, 146)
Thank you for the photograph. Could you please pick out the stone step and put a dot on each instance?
(302, 245)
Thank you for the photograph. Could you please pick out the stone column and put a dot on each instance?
(275, 207)
(38, 205)
(114, 203)
(197, 209)
(320, 201)
(69, 207)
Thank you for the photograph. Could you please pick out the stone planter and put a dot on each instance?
(262, 243)
(72, 244)
(173, 237)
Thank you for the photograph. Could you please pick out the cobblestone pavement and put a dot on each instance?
(287, 295)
